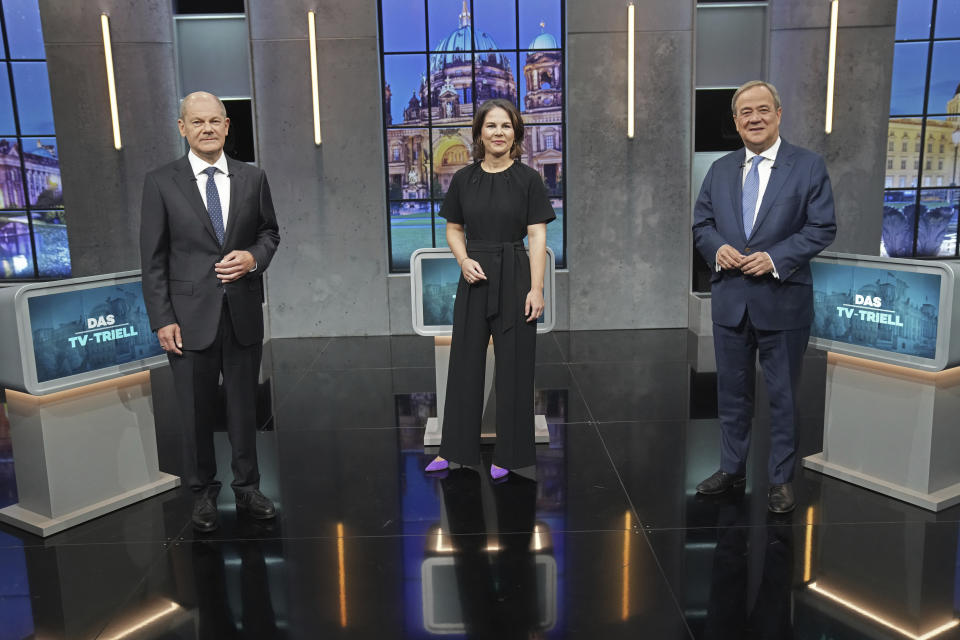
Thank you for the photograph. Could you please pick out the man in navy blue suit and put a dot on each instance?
(763, 212)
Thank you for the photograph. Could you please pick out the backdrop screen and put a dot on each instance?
(877, 307)
(78, 331)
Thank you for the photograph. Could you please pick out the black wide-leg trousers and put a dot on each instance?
(196, 376)
(515, 350)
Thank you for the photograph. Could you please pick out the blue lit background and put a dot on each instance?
(33, 225)
(431, 45)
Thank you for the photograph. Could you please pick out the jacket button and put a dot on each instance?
(746, 249)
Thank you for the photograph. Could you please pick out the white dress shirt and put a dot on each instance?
(220, 179)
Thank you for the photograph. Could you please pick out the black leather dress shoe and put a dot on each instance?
(256, 505)
(780, 498)
(720, 482)
(205, 516)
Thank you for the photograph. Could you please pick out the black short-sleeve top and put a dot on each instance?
(497, 207)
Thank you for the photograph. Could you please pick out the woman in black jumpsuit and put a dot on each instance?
(500, 201)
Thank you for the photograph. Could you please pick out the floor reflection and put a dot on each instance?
(740, 608)
(498, 584)
(605, 538)
(241, 591)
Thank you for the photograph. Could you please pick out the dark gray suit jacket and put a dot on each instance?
(178, 248)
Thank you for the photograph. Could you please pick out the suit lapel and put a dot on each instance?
(778, 177)
(188, 185)
(736, 189)
(236, 186)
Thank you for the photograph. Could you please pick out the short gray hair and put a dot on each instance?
(197, 95)
(750, 85)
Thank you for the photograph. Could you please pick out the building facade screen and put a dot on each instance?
(877, 307)
(922, 183)
(33, 223)
(89, 329)
(441, 60)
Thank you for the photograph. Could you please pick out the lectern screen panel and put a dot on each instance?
(77, 334)
(877, 308)
(435, 276)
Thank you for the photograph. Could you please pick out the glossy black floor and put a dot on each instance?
(608, 541)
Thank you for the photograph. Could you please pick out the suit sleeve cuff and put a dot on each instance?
(774, 270)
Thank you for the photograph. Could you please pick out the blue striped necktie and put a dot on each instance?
(214, 209)
(751, 189)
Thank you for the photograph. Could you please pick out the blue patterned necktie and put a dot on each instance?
(214, 210)
(751, 189)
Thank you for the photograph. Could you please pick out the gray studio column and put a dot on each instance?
(102, 186)
(329, 277)
(628, 217)
(856, 150)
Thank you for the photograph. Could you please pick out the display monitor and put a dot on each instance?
(434, 276)
(884, 309)
(74, 332)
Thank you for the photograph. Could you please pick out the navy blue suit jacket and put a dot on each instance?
(796, 222)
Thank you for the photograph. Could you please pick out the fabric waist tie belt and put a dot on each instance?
(502, 286)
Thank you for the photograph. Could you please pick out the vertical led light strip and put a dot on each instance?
(625, 595)
(831, 64)
(808, 546)
(111, 82)
(342, 576)
(312, 29)
(630, 70)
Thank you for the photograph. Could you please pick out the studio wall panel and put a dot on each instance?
(628, 229)
(101, 185)
(329, 276)
(855, 151)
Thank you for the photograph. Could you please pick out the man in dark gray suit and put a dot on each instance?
(208, 232)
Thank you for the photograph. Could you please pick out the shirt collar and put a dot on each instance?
(769, 153)
(199, 165)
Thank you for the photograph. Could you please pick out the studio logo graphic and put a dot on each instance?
(869, 309)
(95, 328)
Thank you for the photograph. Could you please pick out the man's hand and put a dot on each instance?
(729, 258)
(170, 340)
(757, 264)
(234, 265)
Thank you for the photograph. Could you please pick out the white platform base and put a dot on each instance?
(938, 501)
(41, 525)
(432, 436)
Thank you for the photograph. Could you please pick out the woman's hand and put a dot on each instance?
(534, 305)
(472, 271)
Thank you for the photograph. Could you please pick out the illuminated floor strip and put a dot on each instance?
(872, 616)
(625, 601)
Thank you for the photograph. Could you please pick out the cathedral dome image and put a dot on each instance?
(452, 74)
(544, 41)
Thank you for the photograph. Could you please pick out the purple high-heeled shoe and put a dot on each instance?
(498, 472)
(438, 464)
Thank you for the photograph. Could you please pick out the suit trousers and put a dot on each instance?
(196, 376)
(515, 351)
(781, 359)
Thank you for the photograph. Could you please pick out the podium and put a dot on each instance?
(434, 276)
(893, 384)
(74, 360)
